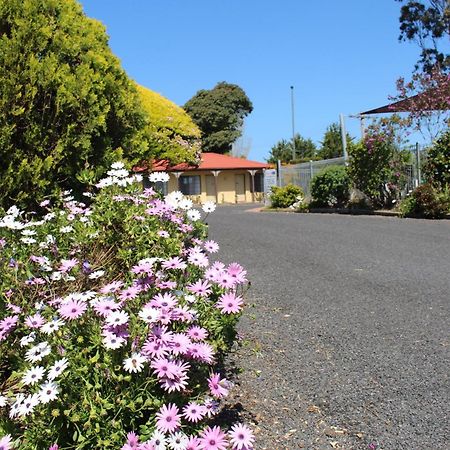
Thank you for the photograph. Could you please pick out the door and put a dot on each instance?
(210, 188)
(239, 186)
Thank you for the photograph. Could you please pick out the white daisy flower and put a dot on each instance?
(178, 441)
(117, 318)
(33, 375)
(117, 165)
(26, 240)
(96, 274)
(3, 401)
(36, 353)
(159, 440)
(28, 405)
(149, 314)
(49, 391)
(28, 232)
(26, 340)
(185, 204)
(135, 363)
(53, 325)
(57, 369)
(56, 276)
(112, 342)
(209, 207)
(194, 215)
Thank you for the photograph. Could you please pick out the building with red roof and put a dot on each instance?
(219, 178)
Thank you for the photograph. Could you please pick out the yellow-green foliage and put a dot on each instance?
(171, 133)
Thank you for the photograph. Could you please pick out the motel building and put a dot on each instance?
(218, 178)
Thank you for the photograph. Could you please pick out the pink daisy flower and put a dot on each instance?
(211, 246)
(237, 272)
(218, 386)
(129, 293)
(35, 321)
(132, 440)
(241, 437)
(111, 287)
(174, 263)
(201, 288)
(199, 259)
(105, 307)
(229, 303)
(155, 349)
(197, 333)
(201, 351)
(174, 384)
(72, 309)
(180, 344)
(193, 443)
(6, 442)
(166, 301)
(168, 418)
(67, 264)
(213, 439)
(164, 368)
(225, 280)
(194, 412)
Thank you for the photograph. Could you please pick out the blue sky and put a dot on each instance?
(341, 56)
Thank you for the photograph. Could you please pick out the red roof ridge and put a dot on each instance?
(208, 161)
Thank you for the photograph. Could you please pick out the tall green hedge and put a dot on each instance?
(67, 108)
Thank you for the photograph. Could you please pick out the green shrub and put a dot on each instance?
(426, 201)
(437, 166)
(331, 187)
(171, 133)
(285, 197)
(67, 108)
(377, 165)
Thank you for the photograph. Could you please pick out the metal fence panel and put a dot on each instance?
(301, 174)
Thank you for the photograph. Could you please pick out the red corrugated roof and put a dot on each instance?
(209, 161)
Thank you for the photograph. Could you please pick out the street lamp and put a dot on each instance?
(293, 123)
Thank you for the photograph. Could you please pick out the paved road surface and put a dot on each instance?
(346, 337)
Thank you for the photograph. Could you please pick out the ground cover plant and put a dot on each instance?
(111, 321)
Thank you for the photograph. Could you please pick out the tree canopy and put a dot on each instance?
(305, 149)
(170, 132)
(428, 24)
(66, 105)
(220, 114)
(331, 145)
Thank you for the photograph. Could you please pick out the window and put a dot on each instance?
(259, 182)
(159, 186)
(190, 185)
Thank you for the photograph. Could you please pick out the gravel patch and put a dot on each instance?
(345, 340)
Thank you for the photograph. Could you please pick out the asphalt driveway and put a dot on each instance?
(346, 338)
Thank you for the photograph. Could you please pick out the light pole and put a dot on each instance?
(293, 123)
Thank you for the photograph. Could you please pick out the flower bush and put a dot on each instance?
(377, 165)
(426, 201)
(111, 321)
(286, 196)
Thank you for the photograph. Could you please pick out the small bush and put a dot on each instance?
(331, 187)
(426, 201)
(437, 167)
(285, 197)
